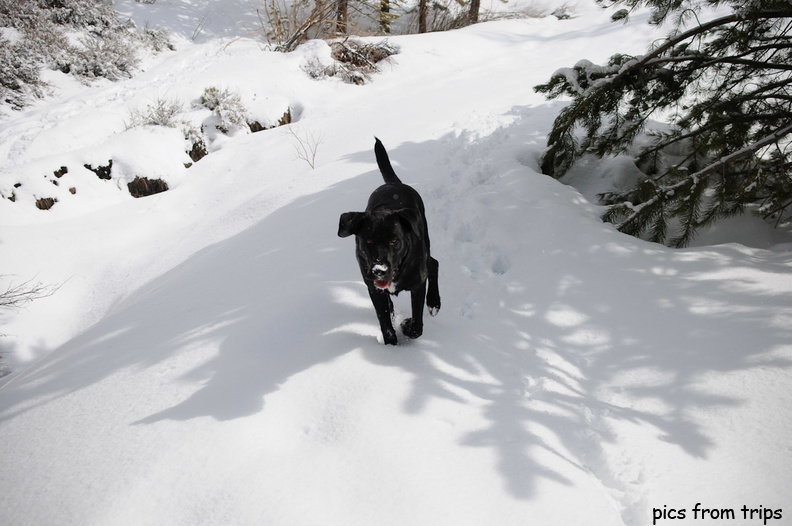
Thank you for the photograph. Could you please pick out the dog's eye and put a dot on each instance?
(369, 241)
(394, 241)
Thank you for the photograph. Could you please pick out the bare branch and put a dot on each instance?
(306, 146)
(17, 296)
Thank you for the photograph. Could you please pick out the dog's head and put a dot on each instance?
(384, 241)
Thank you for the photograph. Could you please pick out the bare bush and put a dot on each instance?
(354, 61)
(20, 78)
(169, 113)
(360, 55)
(17, 296)
(162, 112)
(112, 57)
(227, 106)
(157, 39)
(290, 23)
(108, 46)
(306, 145)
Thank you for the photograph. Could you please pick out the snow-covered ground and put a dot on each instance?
(210, 355)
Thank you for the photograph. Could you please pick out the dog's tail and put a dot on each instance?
(384, 163)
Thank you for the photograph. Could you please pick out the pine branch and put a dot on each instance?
(601, 96)
(692, 33)
(708, 171)
(713, 125)
(706, 62)
(726, 83)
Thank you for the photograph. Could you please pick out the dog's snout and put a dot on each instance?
(379, 269)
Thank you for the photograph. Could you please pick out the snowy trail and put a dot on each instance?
(226, 357)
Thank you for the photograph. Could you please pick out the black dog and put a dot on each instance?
(393, 250)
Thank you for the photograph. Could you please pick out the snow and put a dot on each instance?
(210, 355)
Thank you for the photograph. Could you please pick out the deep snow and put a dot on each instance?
(211, 355)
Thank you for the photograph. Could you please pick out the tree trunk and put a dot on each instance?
(342, 15)
(473, 15)
(422, 16)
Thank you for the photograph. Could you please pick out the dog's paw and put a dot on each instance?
(389, 337)
(411, 329)
(433, 302)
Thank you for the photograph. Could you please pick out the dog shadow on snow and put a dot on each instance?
(551, 356)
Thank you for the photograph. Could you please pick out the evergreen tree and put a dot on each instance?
(724, 85)
(385, 16)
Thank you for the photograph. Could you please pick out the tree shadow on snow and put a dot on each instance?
(241, 317)
(553, 324)
(562, 326)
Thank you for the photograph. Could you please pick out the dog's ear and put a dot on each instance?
(349, 224)
(410, 219)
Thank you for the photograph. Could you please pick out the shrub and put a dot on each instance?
(20, 78)
(157, 39)
(364, 56)
(161, 112)
(227, 106)
(168, 112)
(108, 46)
(354, 61)
(112, 57)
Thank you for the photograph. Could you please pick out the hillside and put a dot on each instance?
(210, 355)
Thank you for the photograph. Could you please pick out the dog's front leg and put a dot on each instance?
(433, 295)
(384, 309)
(413, 327)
